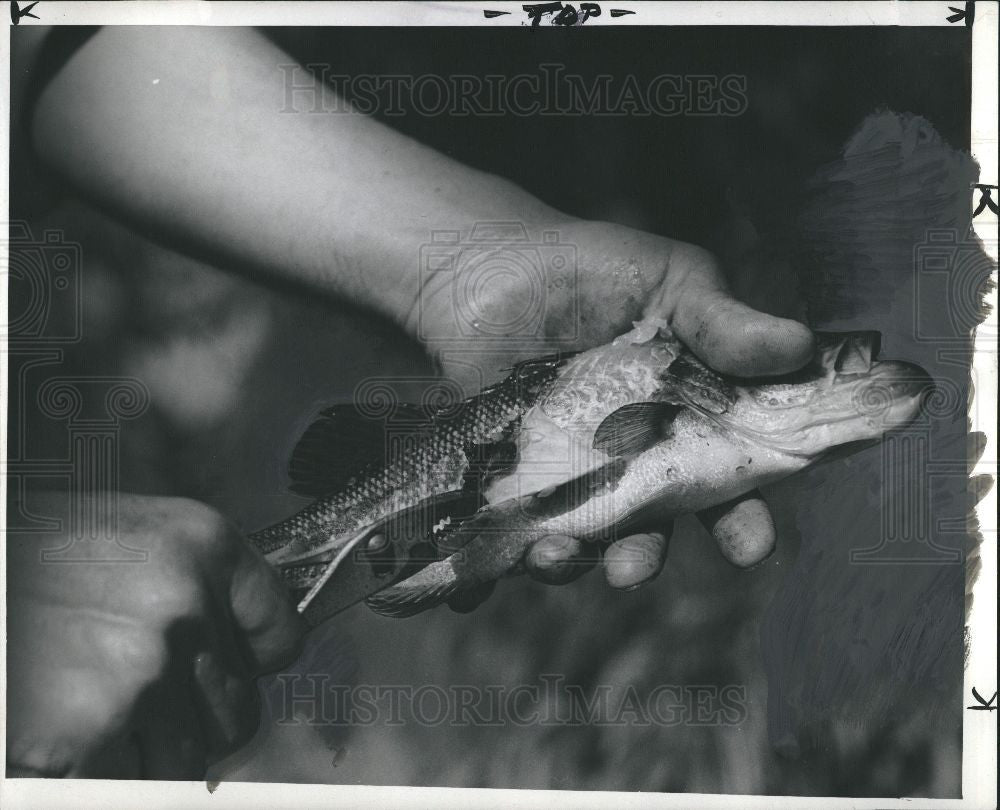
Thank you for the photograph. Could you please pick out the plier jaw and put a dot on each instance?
(349, 568)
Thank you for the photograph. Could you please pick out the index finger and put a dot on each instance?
(727, 334)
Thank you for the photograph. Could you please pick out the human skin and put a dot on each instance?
(142, 668)
(188, 135)
(341, 204)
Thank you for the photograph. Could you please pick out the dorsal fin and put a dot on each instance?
(343, 442)
(634, 428)
(347, 441)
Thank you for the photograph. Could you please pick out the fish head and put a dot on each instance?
(844, 395)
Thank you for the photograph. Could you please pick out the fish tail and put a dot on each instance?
(425, 589)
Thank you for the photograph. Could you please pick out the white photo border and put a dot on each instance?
(979, 751)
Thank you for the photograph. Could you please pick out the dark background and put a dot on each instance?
(236, 371)
(808, 90)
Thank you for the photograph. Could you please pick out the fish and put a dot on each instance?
(586, 445)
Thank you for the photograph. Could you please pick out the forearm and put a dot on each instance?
(189, 131)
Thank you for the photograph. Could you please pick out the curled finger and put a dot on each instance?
(742, 528)
(635, 560)
(558, 559)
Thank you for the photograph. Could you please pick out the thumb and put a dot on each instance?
(728, 335)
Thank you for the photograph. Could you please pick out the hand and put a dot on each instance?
(139, 669)
(622, 276)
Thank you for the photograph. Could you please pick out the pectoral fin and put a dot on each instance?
(634, 428)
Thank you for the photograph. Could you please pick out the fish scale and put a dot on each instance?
(435, 464)
(619, 434)
(664, 436)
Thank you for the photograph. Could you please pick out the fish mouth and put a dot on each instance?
(893, 394)
(911, 381)
(853, 357)
(845, 396)
(847, 352)
(858, 407)
(836, 354)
